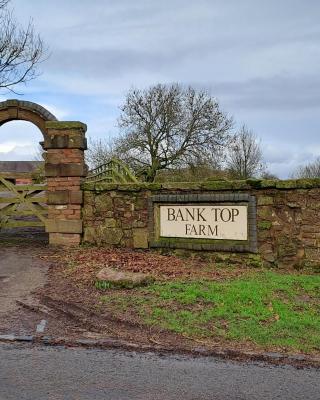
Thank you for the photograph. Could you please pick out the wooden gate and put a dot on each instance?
(22, 205)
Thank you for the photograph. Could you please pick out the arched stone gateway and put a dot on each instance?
(64, 143)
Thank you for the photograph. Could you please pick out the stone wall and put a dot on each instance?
(288, 215)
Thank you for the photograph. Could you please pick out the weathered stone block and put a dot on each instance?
(63, 226)
(66, 125)
(53, 158)
(140, 238)
(264, 225)
(126, 223)
(287, 184)
(65, 197)
(268, 183)
(75, 196)
(58, 197)
(73, 169)
(287, 248)
(103, 203)
(89, 235)
(87, 211)
(88, 198)
(139, 224)
(51, 170)
(265, 212)
(181, 185)
(64, 239)
(124, 278)
(151, 186)
(293, 205)
(217, 185)
(140, 203)
(110, 223)
(129, 187)
(65, 170)
(265, 200)
(65, 142)
(112, 235)
(313, 254)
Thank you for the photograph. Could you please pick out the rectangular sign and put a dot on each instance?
(196, 221)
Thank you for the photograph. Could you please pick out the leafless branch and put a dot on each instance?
(170, 126)
(311, 170)
(244, 156)
(21, 51)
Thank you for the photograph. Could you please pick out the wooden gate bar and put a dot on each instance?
(21, 201)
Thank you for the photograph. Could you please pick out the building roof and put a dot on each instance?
(19, 166)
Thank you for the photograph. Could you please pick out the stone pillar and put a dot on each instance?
(65, 143)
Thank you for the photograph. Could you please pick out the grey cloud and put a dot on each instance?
(276, 155)
(105, 63)
(153, 24)
(260, 58)
(277, 93)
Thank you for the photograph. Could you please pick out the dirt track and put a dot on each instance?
(20, 274)
(22, 271)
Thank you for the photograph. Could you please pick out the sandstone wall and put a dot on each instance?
(288, 215)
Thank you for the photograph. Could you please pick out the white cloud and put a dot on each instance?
(58, 112)
(19, 140)
(6, 147)
(19, 153)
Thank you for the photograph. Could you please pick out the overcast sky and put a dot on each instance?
(259, 58)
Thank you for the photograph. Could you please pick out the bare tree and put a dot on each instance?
(21, 50)
(170, 126)
(244, 157)
(3, 4)
(38, 174)
(311, 170)
(100, 152)
(269, 175)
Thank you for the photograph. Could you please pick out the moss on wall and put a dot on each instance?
(288, 219)
(248, 184)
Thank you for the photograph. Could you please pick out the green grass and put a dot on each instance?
(265, 308)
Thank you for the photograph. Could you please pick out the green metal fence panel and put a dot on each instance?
(114, 171)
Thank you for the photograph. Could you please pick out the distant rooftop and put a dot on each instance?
(19, 166)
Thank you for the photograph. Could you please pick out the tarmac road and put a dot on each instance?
(57, 373)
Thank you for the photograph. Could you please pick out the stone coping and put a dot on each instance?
(65, 125)
(249, 184)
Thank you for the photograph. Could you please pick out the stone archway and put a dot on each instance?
(64, 143)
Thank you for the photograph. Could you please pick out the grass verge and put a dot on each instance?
(267, 309)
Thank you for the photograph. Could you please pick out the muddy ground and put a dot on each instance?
(34, 287)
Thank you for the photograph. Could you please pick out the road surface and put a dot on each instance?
(57, 373)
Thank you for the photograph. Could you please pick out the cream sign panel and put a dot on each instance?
(204, 221)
